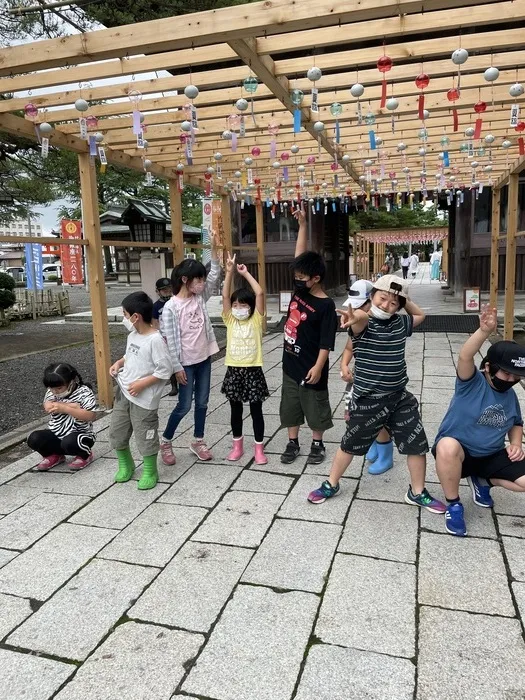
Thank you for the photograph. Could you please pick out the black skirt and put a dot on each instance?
(245, 384)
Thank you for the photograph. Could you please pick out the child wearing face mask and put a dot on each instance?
(244, 382)
(141, 377)
(186, 326)
(71, 406)
(484, 410)
(163, 289)
(379, 396)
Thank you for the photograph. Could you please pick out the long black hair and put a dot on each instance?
(191, 269)
(61, 374)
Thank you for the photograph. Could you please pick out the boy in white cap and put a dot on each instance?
(381, 453)
(380, 398)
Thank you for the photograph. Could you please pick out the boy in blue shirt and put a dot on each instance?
(484, 409)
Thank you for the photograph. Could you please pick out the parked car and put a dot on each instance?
(16, 272)
(51, 271)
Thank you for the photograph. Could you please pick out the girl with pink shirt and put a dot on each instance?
(186, 326)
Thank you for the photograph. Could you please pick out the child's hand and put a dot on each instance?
(114, 369)
(300, 216)
(230, 263)
(181, 377)
(515, 453)
(347, 316)
(134, 388)
(50, 406)
(314, 375)
(242, 270)
(488, 319)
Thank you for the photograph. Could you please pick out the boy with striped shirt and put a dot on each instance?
(380, 397)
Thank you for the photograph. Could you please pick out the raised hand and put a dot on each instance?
(242, 269)
(300, 216)
(488, 319)
(230, 262)
(347, 316)
(214, 239)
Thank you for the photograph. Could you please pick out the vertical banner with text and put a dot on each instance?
(71, 255)
(33, 253)
(211, 221)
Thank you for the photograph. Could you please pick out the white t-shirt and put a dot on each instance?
(405, 262)
(146, 355)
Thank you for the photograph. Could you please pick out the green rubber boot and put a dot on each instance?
(150, 475)
(126, 466)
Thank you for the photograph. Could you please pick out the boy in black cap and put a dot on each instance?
(484, 410)
(164, 290)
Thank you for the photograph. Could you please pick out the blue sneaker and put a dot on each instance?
(480, 491)
(454, 520)
(326, 490)
(385, 458)
(372, 453)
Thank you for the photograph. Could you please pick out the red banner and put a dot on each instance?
(71, 255)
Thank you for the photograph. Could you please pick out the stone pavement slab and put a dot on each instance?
(515, 554)
(32, 521)
(28, 677)
(263, 482)
(13, 611)
(277, 467)
(332, 511)
(73, 622)
(381, 530)
(464, 562)
(13, 496)
(508, 502)
(18, 467)
(117, 506)
(136, 662)
(202, 485)
(5, 556)
(334, 673)
(518, 588)
(390, 486)
(92, 481)
(357, 608)
(56, 557)
(483, 658)
(294, 555)
(194, 587)
(479, 521)
(155, 535)
(511, 525)
(256, 648)
(241, 519)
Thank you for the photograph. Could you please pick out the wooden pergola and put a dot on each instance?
(277, 43)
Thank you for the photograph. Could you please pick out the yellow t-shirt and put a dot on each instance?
(243, 340)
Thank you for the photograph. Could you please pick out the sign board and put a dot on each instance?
(71, 255)
(471, 300)
(284, 301)
(33, 253)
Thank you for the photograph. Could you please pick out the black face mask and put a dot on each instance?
(501, 385)
(300, 285)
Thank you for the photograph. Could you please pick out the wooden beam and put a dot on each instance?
(510, 267)
(444, 257)
(95, 273)
(204, 28)
(44, 240)
(261, 257)
(516, 167)
(177, 237)
(494, 247)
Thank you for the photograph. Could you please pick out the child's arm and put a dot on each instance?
(488, 322)
(168, 323)
(301, 245)
(118, 365)
(256, 288)
(215, 268)
(226, 287)
(348, 353)
(412, 309)
(358, 319)
(515, 449)
(74, 409)
(314, 374)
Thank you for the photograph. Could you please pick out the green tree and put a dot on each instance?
(404, 217)
(7, 296)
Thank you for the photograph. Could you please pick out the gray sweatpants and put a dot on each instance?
(127, 419)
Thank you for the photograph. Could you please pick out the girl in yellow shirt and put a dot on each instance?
(244, 382)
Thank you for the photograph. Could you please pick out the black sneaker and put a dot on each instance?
(291, 452)
(317, 454)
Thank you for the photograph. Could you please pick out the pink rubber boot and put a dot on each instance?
(260, 457)
(237, 450)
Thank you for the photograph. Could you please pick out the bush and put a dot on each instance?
(7, 296)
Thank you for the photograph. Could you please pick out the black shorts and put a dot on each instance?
(398, 413)
(494, 466)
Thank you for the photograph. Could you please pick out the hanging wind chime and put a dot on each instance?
(297, 97)
(314, 74)
(250, 85)
(422, 81)
(384, 64)
(357, 90)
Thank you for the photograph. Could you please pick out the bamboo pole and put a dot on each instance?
(177, 238)
(261, 263)
(494, 247)
(97, 287)
(510, 270)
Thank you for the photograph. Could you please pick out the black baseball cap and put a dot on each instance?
(162, 283)
(508, 356)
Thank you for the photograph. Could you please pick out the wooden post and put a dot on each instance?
(97, 286)
(226, 221)
(261, 258)
(510, 269)
(444, 257)
(494, 247)
(177, 236)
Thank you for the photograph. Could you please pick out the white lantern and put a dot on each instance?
(99, 137)
(248, 161)
(474, 164)
(210, 170)
(186, 125)
(147, 164)
(491, 74)
(180, 167)
(314, 74)
(191, 92)
(459, 57)
(294, 149)
(489, 138)
(45, 128)
(346, 158)
(516, 90)
(237, 174)
(276, 164)
(242, 104)
(488, 168)
(506, 144)
(422, 151)
(469, 132)
(318, 127)
(392, 104)
(81, 105)
(227, 135)
(357, 90)
(401, 146)
(217, 156)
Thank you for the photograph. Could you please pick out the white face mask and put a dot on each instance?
(241, 314)
(379, 313)
(129, 325)
(66, 393)
(196, 287)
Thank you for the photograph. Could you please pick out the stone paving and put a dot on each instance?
(223, 583)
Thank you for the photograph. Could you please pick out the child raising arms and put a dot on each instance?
(244, 382)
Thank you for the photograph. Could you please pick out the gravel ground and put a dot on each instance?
(21, 378)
